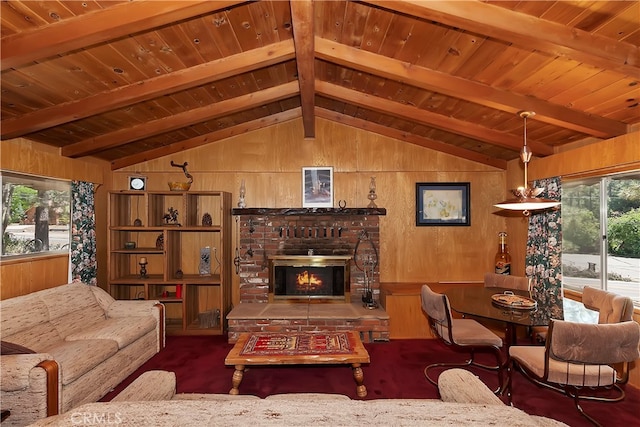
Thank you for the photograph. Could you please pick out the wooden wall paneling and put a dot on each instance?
(21, 155)
(270, 162)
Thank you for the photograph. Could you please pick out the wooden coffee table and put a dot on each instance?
(355, 357)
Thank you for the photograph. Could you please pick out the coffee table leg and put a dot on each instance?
(358, 375)
(236, 379)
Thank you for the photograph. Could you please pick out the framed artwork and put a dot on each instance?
(317, 187)
(443, 203)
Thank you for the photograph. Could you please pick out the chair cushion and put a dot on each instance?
(595, 343)
(471, 332)
(122, 330)
(76, 358)
(532, 359)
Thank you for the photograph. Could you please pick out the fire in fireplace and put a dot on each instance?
(309, 279)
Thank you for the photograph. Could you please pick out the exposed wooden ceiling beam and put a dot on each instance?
(468, 90)
(410, 138)
(525, 30)
(177, 121)
(93, 28)
(209, 138)
(152, 88)
(428, 118)
(302, 18)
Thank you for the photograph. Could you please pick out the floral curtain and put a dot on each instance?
(544, 250)
(83, 234)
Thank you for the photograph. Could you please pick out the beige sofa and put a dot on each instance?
(77, 343)
(151, 401)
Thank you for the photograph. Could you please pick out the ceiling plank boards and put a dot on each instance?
(155, 127)
(431, 119)
(152, 88)
(125, 81)
(466, 89)
(520, 28)
(93, 28)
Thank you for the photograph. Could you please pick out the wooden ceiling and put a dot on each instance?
(129, 81)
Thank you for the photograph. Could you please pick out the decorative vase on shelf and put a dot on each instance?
(207, 221)
(205, 261)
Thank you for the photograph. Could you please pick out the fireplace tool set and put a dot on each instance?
(369, 263)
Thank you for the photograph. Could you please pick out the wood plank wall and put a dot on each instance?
(23, 276)
(270, 162)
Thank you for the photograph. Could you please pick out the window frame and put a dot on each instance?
(603, 182)
(46, 183)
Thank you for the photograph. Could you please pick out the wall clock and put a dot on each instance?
(137, 183)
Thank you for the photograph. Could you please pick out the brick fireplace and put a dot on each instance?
(314, 234)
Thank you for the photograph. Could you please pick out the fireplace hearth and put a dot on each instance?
(309, 279)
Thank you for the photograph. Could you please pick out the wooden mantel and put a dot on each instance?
(308, 211)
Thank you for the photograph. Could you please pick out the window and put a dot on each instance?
(601, 234)
(35, 215)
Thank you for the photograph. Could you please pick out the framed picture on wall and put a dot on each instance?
(317, 187)
(443, 203)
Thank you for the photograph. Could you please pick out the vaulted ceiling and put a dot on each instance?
(129, 81)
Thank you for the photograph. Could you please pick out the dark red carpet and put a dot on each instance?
(395, 371)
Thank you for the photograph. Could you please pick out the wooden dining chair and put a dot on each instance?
(466, 335)
(576, 360)
(493, 280)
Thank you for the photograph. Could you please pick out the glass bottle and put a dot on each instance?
(503, 259)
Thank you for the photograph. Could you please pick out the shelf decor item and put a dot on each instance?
(207, 221)
(181, 186)
(372, 193)
(243, 191)
(129, 245)
(160, 241)
(205, 261)
(143, 268)
(171, 217)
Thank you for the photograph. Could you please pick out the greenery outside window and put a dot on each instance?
(601, 234)
(35, 215)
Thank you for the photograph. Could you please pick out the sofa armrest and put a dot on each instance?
(16, 372)
(137, 308)
(129, 308)
(15, 369)
(462, 386)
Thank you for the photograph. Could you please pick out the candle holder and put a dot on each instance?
(243, 190)
(143, 268)
(372, 193)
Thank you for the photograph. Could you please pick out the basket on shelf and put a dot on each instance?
(179, 186)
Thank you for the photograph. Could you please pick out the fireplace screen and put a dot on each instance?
(304, 278)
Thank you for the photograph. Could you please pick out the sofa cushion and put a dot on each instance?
(21, 313)
(38, 337)
(124, 331)
(76, 358)
(72, 307)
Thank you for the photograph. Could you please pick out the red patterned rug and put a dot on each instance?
(302, 343)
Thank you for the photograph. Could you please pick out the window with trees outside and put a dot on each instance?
(36, 215)
(601, 234)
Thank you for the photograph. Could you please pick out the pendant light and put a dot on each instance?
(527, 199)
